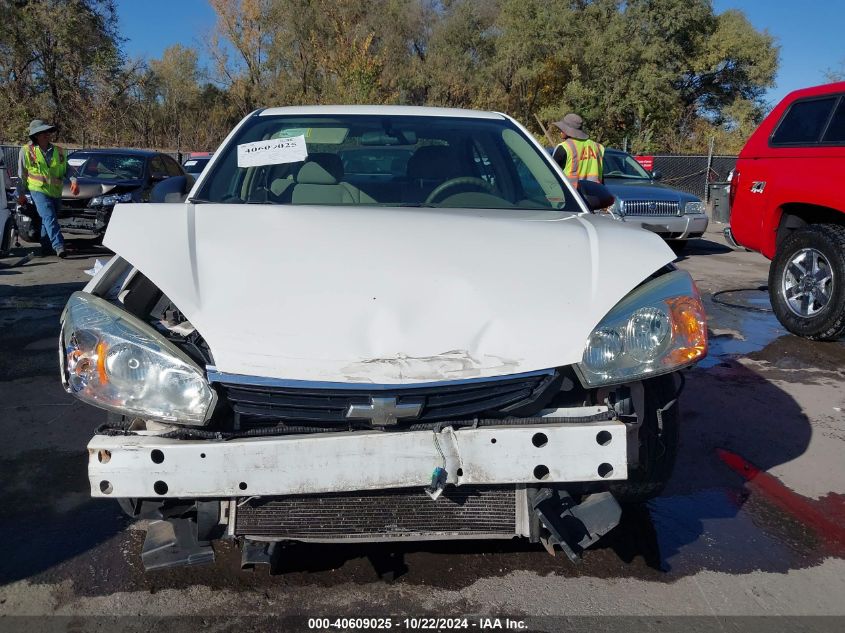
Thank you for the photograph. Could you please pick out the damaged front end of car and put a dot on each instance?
(205, 453)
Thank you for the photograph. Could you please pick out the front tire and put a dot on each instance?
(807, 282)
(659, 440)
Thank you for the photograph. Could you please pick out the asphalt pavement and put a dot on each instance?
(752, 523)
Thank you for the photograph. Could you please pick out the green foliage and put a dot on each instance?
(51, 53)
(668, 75)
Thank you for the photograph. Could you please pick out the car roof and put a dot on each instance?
(815, 91)
(118, 150)
(381, 110)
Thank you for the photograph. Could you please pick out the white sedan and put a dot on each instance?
(379, 324)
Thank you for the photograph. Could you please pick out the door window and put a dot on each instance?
(836, 130)
(157, 168)
(172, 166)
(804, 122)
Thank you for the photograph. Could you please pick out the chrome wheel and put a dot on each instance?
(807, 283)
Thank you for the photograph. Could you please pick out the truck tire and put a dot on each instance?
(658, 437)
(807, 282)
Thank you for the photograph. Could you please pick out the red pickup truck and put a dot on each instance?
(787, 198)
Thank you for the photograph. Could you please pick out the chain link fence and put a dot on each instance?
(693, 174)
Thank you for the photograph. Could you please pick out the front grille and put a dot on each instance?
(465, 511)
(77, 205)
(652, 207)
(262, 406)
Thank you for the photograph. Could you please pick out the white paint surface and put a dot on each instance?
(385, 295)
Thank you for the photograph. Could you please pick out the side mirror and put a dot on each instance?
(596, 196)
(173, 189)
(657, 175)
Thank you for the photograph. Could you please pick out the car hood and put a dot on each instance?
(382, 295)
(90, 187)
(645, 190)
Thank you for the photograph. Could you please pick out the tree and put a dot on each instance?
(662, 72)
(176, 76)
(239, 47)
(51, 52)
(836, 74)
(668, 75)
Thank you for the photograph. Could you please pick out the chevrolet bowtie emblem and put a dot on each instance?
(384, 411)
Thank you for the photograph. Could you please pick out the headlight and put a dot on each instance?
(694, 207)
(110, 201)
(115, 361)
(658, 328)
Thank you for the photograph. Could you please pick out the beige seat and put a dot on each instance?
(280, 178)
(318, 181)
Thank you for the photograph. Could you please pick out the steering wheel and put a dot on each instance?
(458, 182)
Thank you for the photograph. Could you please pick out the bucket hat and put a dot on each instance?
(571, 125)
(37, 126)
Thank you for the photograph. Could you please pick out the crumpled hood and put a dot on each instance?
(89, 188)
(385, 295)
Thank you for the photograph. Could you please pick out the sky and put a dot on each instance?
(810, 32)
(150, 26)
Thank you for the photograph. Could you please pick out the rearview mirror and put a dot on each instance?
(596, 196)
(173, 189)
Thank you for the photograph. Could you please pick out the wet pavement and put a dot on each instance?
(753, 521)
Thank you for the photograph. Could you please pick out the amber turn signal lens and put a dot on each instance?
(101, 362)
(689, 327)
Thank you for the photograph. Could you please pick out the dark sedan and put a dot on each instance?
(105, 177)
(674, 215)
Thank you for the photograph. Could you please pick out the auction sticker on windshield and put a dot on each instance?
(272, 152)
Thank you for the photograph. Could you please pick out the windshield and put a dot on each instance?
(195, 165)
(385, 160)
(106, 166)
(619, 165)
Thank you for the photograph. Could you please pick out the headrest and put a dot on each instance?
(434, 162)
(321, 169)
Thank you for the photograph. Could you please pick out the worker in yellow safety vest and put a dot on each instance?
(41, 171)
(579, 157)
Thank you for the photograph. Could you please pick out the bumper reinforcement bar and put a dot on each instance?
(147, 466)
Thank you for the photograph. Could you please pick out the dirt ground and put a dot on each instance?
(714, 544)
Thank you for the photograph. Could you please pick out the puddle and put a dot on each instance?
(740, 322)
(712, 529)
